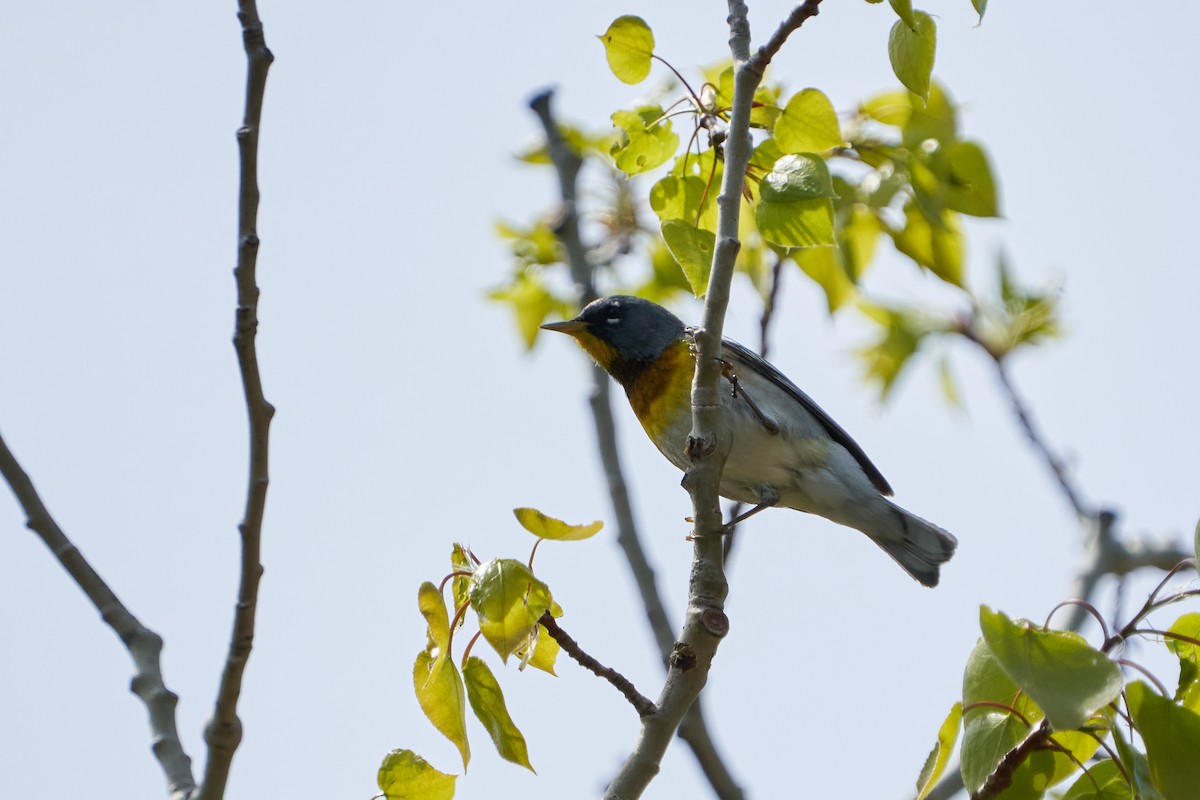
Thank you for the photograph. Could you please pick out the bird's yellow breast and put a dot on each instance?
(662, 392)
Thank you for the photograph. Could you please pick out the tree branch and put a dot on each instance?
(223, 733)
(694, 730)
(642, 704)
(705, 623)
(143, 644)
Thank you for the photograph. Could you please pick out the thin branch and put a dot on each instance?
(694, 730)
(642, 704)
(223, 733)
(143, 644)
(793, 21)
(708, 445)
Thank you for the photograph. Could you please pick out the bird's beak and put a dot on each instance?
(567, 326)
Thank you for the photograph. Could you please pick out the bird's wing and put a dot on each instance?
(734, 352)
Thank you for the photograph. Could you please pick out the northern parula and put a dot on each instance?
(784, 449)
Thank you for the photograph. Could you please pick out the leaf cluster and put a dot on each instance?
(509, 602)
(1041, 707)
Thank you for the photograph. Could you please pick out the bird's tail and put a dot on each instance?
(918, 546)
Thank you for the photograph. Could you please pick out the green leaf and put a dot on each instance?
(1135, 763)
(1188, 693)
(890, 108)
(692, 248)
(794, 207)
(904, 11)
(440, 693)
(628, 45)
(531, 304)
(1172, 738)
(645, 140)
(937, 247)
(545, 650)
(433, 608)
(487, 701)
(1102, 781)
(688, 198)
(939, 756)
(885, 358)
(911, 50)
(1068, 678)
(545, 527)
(461, 561)
(980, 7)
(858, 237)
(824, 266)
(808, 124)
(509, 601)
(990, 731)
(404, 775)
(969, 186)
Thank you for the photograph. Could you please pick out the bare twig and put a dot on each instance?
(642, 704)
(694, 730)
(223, 733)
(143, 644)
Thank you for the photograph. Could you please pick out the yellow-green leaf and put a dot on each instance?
(794, 207)
(545, 527)
(824, 266)
(938, 248)
(404, 775)
(1102, 781)
(970, 187)
(433, 608)
(645, 140)
(904, 11)
(461, 561)
(487, 701)
(891, 108)
(939, 756)
(531, 304)
(628, 45)
(1188, 693)
(1068, 678)
(692, 248)
(688, 198)
(545, 649)
(808, 124)
(439, 691)
(858, 237)
(1172, 737)
(509, 601)
(911, 50)
(980, 7)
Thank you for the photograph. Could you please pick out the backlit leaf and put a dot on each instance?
(545, 650)
(693, 248)
(440, 693)
(911, 50)
(532, 303)
(794, 207)
(824, 266)
(1102, 781)
(487, 701)
(1188, 693)
(969, 186)
(509, 601)
(404, 775)
(939, 756)
(980, 7)
(808, 124)
(1068, 678)
(628, 45)
(891, 108)
(904, 11)
(645, 140)
(433, 608)
(1172, 737)
(545, 527)
(937, 247)
(689, 198)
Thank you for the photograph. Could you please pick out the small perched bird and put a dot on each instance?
(785, 450)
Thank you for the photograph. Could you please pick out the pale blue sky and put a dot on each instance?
(408, 417)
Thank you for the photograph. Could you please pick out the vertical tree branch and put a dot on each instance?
(143, 644)
(705, 623)
(223, 733)
(694, 730)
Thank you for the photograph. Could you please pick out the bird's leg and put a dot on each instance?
(771, 426)
(767, 497)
